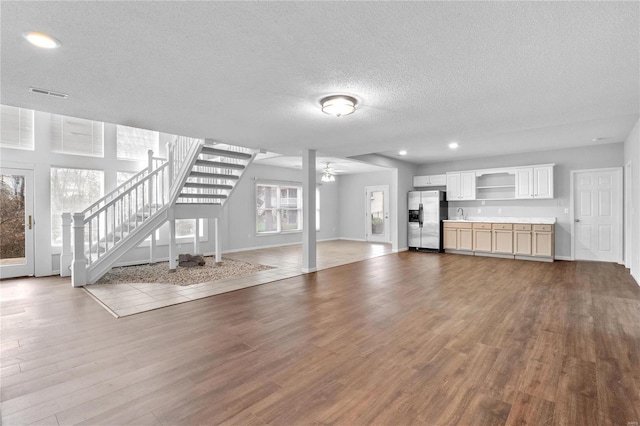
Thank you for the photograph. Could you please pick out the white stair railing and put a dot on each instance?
(105, 226)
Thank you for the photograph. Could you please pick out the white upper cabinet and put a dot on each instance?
(431, 180)
(461, 186)
(543, 182)
(534, 182)
(524, 182)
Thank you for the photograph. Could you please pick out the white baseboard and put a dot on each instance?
(353, 239)
(563, 258)
(399, 250)
(637, 279)
(308, 271)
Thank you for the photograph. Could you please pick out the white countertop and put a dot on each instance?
(539, 220)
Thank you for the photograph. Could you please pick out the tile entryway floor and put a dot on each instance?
(129, 299)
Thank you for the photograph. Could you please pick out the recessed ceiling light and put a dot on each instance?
(42, 40)
(403, 152)
(338, 105)
(453, 145)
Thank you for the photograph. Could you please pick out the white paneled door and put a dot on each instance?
(597, 207)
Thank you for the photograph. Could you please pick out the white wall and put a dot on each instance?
(632, 155)
(601, 156)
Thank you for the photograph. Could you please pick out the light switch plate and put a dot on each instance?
(566, 211)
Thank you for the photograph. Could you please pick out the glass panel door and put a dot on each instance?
(16, 223)
(376, 207)
(377, 213)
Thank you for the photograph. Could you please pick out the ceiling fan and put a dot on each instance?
(328, 174)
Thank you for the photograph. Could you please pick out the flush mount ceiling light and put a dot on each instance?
(453, 145)
(403, 152)
(338, 105)
(328, 175)
(42, 40)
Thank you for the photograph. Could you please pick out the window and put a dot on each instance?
(133, 143)
(70, 135)
(185, 228)
(122, 177)
(16, 126)
(278, 208)
(72, 190)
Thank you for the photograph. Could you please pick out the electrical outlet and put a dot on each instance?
(482, 202)
(479, 210)
(566, 211)
(499, 211)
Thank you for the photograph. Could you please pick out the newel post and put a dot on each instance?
(79, 263)
(67, 255)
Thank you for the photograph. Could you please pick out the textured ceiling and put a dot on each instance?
(498, 77)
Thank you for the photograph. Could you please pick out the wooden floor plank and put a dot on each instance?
(407, 338)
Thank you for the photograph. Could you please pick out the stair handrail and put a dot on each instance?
(183, 152)
(154, 162)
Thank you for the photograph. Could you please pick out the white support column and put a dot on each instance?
(172, 244)
(79, 263)
(196, 237)
(309, 211)
(67, 255)
(218, 253)
(152, 248)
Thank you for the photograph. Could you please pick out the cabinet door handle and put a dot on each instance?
(577, 220)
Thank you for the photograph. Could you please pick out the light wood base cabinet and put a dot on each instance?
(518, 240)
(522, 239)
(457, 236)
(482, 237)
(543, 241)
(502, 238)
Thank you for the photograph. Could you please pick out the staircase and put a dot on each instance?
(195, 181)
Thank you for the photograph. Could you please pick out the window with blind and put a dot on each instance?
(70, 135)
(133, 143)
(16, 127)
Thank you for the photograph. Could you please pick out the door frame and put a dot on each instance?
(572, 208)
(367, 215)
(627, 229)
(29, 267)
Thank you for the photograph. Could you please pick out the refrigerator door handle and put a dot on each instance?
(421, 216)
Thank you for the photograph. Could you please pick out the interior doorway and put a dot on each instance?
(597, 214)
(16, 223)
(377, 213)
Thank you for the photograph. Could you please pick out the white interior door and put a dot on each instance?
(597, 207)
(16, 223)
(377, 213)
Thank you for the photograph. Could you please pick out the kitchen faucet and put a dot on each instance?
(460, 213)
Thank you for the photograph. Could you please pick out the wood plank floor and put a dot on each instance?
(408, 338)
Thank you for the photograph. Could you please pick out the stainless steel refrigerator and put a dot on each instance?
(427, 210)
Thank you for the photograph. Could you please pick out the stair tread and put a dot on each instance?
(219, 164)
(195, 195)
(224, 153)
(213, 175)
(207, 185)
